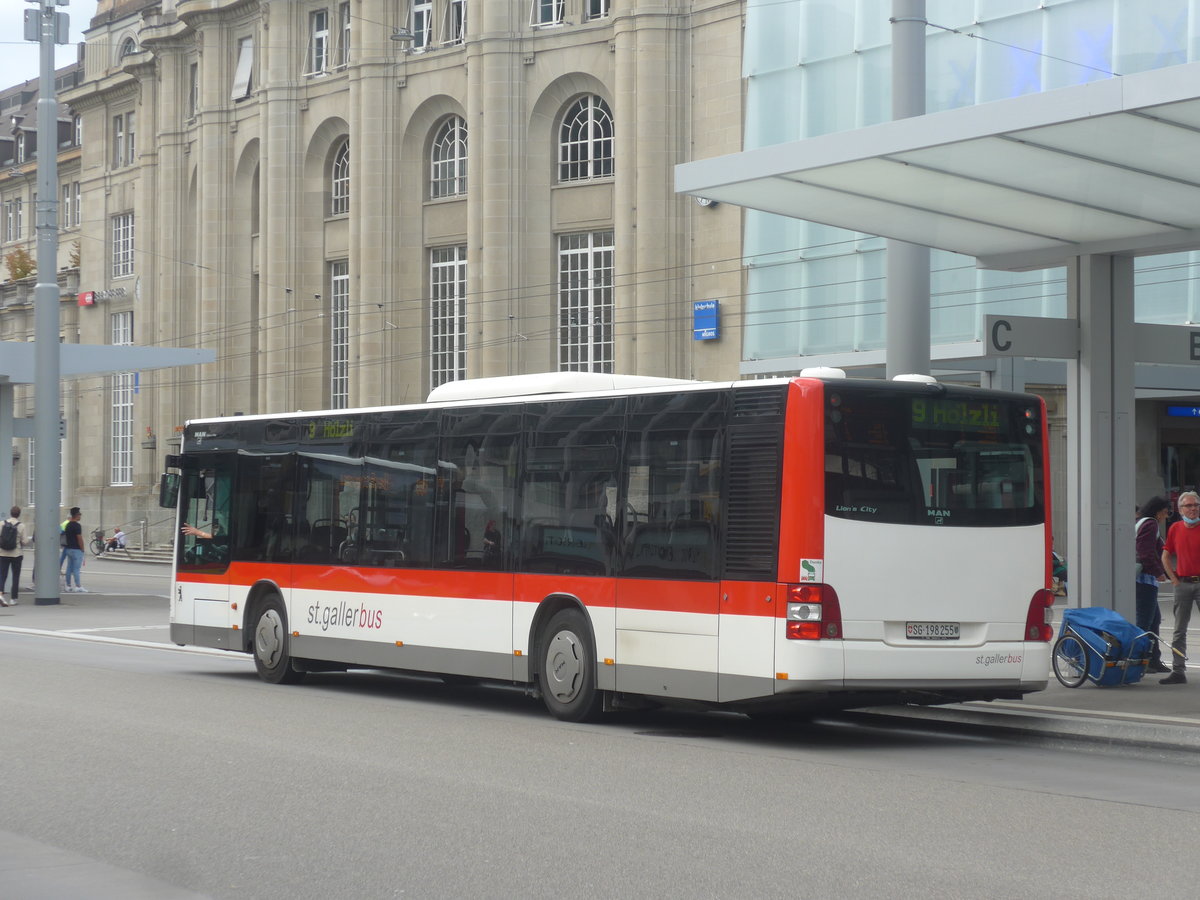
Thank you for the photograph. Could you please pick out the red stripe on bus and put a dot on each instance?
(746, 598)
(591, 591)
(669, 596)
(356, 580)
(802, 510)
(706, 597)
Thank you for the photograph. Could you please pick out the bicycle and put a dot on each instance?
(98, 543)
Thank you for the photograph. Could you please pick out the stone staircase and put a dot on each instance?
(161, 554)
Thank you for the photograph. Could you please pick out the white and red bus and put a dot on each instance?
(761, 546)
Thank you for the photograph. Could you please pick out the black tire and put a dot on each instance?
(1070, 661)
(567, 674)
(272, 643)
(97, 547)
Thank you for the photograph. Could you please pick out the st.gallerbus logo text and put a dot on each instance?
(344, 615)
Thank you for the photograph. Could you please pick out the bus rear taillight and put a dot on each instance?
(1037, 622)
(813, 612)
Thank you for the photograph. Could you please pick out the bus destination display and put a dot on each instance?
(981, 416)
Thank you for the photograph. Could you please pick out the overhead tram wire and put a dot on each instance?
(549, 332)
(548, 290)
(785, 315)
(395, 308)
(235, 331)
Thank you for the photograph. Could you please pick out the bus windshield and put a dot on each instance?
(951, 458)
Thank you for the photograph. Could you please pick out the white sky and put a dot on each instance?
(19, 59)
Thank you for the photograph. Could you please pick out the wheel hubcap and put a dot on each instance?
(268, 638)
(564, 666)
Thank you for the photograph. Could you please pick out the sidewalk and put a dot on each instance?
(1145, 713)
(1148, 713)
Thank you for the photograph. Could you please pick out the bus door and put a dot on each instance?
(200, 611)
(467, 608)
(668, 598)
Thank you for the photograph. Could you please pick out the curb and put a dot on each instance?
(1056, 723)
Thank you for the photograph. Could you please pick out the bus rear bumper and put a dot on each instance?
(923, 674)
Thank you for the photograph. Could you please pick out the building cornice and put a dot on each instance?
(110, 89)
(166, 34)
(194, 13)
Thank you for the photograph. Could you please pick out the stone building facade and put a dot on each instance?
(352, 202)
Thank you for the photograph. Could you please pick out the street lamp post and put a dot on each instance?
(48, 28)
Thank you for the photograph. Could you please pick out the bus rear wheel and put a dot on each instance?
(567, 675)
(272, 658)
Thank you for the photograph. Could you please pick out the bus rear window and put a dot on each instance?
(958, 457)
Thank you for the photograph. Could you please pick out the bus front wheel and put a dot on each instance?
(271, 645)
(567, 675)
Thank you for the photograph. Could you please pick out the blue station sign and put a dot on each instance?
(705, 324)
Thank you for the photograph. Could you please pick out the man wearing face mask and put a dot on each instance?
(1181, 559)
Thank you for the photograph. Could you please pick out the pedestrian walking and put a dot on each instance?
(1181, 560)
(74, 551)
(12, 540)
(1148, 547)
(62, 542)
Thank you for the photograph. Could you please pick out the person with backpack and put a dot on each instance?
(12, 540)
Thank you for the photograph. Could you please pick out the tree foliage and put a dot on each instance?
(20, 264)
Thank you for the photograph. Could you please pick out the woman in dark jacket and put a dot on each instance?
(1148, 543)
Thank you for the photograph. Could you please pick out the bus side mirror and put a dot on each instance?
(168, 490)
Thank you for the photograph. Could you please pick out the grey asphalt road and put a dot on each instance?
(181, 772)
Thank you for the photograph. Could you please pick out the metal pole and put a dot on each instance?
(908, 330)
(6, 439)
(47, 390)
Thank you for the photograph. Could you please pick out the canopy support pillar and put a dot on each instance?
(1100, 433)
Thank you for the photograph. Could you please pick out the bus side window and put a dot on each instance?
(569, 486)
(260, 529)
(672, 508)
(476, 479)
(334, 489)
(397, 522)
(395, 525)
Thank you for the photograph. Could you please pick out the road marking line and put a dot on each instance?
(1083, 713)
(125, 575)
(126, 642)
(111, 628)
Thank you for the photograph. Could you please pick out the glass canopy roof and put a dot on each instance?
(1107, 167)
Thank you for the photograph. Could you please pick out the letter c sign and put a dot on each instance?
(998, 343)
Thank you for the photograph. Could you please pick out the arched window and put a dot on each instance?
(448, 159)
(339, 193)
(128, 48)
(585, 143)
